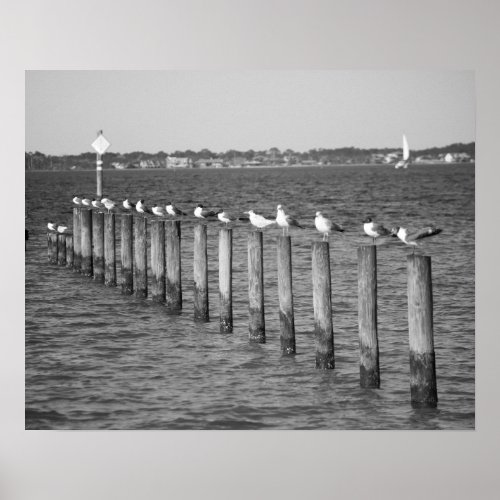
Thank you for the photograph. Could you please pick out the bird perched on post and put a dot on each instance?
(223, 216)
(61, 228)
(52, 226)
(104, 198)
(325, 226)
(259, 221)
(86, 202)
(77, 200)
(142, 208)
(203, 213)
(410, 238)
(109, 205)
(128, 205)
(285, 221)
(158, 211)
(374, 230)
(97, 204)
(173, 210)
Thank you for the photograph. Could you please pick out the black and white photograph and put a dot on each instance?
(250, 250)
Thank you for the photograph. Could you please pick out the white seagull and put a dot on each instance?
(374, 230)
(77, 200)
(325, 226)
(159, 211)
(52, 226)
(203, 213)
(96, 203)
(104, 199)
(62, 228)
(285, 221)
(86, 202)
(142, 208)
(128, 205)
(410, 238)
(223, 216)
(173, 210)
(109, 205)
(259, 221)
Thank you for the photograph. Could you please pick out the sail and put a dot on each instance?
(406, 149)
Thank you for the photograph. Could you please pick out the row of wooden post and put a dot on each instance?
(91, 251)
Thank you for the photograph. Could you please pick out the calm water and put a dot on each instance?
(98, 360)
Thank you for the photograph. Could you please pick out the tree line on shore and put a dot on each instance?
(272, 157)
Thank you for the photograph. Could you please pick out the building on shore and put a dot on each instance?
(209, 162)
(179, 162)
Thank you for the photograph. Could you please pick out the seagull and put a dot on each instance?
(285, 221)
(203, 213)
(410, 238)
(96, 203)
(374, 230)
(173, 210)
(128, 205)
(62, 228)
(324, 225)
(259, 221)
(109, 205)
(142, 208)
(52, 226)
(157, 210)
(104, 198)
(86, 202)
(77, 200)
(225, 217)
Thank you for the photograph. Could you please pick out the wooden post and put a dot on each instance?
(423, 385)
(61, 249)
(369, 370)
(109, 250)
(225, 279)
(256, 320)
(127, 254)
(52, 237)
(69, 250)
(158, 260)
(77, 240)
(98, 245)
(200, 273)
(86, 241)
(287, 326)
(173, 257)
(140, 257)
(322, 300)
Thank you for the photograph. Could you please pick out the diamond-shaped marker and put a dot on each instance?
(101, 144)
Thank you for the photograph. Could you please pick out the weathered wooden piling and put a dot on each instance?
(61, 249)
(369, 370)
(226, 279)
(287, 325)
(127, 254)
(173, 295)
(322, 301)
(52, 241)
(158, 261)
(109, 250)
(69, 250)
(140, 257)
(98, 246)
(77, 240)
(86, 241)
(423, 386)
(256, 319)
(200, 273)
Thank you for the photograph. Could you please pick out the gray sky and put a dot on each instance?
(155, 111)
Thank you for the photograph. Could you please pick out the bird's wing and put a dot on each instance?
(208, 213)
(380, 229)
(336, 227)
(293, 222)
(423, 233)
(178, 212)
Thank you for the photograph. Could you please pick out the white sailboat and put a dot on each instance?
(406, 155)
